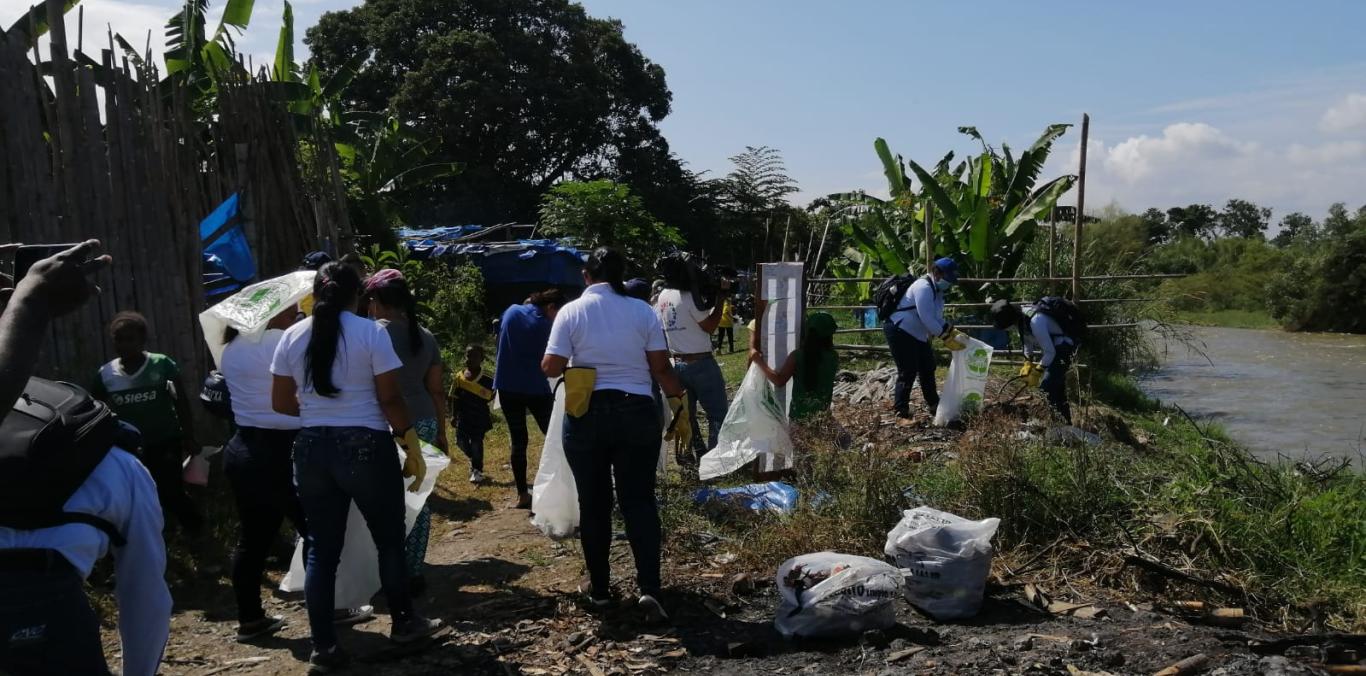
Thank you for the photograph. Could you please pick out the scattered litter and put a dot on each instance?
(815, 501)
(946, 560)
(1190, 665)
(904, 654)
(1072, 435)
(829, 594)
(774, 496)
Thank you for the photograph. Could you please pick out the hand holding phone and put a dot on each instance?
(58, 274)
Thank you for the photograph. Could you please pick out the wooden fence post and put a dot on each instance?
(1081, 210)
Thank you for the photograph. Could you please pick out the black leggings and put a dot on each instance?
(164, 461)
(515, 407)
(725, 334)
(257, 463)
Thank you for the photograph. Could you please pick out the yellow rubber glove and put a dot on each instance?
(954, 341)
(680, 428)
(413, 463)
(578, 389)
(306, 305)
(1035, 375)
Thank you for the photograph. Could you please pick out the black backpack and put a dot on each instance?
(50, 442)
(889, 294)
(1066, 313)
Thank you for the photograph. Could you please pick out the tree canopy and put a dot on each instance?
(521, 93)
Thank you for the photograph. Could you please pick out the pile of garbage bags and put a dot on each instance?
(942, 562)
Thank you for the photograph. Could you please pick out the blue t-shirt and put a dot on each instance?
(522, 338)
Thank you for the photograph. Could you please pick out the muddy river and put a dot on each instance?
(1280, 393)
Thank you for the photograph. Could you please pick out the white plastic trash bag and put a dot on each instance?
(358, 570)
(755, 425)
(967, 382)
(554, 496)
(829, 594)
(250, 309)
(946, 558)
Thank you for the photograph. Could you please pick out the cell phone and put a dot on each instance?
(25, 256)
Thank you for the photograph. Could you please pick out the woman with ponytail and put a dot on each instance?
(615, 433)
(339, 374)
(392, 306)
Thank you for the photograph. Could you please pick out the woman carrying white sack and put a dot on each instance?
(609, 346)
(338, 373)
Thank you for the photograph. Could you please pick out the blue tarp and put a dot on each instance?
(221, 236)
(527, 261)
(774, 496)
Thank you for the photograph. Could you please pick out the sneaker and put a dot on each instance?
(348, 616)
(654, 612)
(477, 477)
(332, 660)
(415, 629)
(597, 602)
(259, 628)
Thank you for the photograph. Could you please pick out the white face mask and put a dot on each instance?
(942, 284)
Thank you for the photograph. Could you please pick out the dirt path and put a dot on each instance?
(508, 594)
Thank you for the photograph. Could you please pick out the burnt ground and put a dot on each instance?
(508, 593)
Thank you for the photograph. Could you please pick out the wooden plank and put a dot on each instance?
(1081, 209)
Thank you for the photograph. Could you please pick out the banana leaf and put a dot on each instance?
(1042, 203)
(942, 202)
(891, 168)
(284, 48)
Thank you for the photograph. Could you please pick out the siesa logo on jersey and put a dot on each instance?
(28, 634)
(146, 396)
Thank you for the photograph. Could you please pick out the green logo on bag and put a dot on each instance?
(978, 361)
(971, 402)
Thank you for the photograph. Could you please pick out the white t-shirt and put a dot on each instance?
(680, 318)
(246, 368)
(365, 352)
(611, 333)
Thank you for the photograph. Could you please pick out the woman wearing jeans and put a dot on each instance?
(339, 374)
(615, 441)
(392, 305)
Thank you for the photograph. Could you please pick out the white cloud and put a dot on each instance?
(1349, 114)
(1336, 151)
(1137, 158)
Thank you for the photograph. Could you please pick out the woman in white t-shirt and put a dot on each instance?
(615, 442)
(338, 372)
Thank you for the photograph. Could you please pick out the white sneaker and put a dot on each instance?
(476, 477)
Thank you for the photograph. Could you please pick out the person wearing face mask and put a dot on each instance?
(919, 317)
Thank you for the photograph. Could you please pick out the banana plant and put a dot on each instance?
(987, 208)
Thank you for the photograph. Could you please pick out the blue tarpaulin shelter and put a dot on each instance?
(543, 262)
(228, 263)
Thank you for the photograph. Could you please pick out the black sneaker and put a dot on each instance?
(259, 628)
(417, 585)
(327, 662)
(415, 629)
(654, 612)
(605, 602)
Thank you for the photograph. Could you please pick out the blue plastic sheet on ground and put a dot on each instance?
(774, 496)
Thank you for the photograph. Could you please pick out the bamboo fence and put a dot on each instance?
(100, 148)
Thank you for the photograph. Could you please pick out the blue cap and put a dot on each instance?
(948, 269)
(316, 260)
(638, 288)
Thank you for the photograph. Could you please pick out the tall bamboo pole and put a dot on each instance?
(929, 237)
(1081, 209)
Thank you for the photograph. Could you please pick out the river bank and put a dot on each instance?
(1157, 487)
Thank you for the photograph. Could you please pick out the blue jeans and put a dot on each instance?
(914, 359)
(617, 438)
(332, 467)
(47, 625)
(1054, 382)
(706, 386)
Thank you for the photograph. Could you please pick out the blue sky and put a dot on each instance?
(1190, 101)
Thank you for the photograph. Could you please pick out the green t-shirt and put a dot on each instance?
(144, 398)
(808, 397)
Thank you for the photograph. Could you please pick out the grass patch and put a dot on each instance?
(1233, 319)
(1292, 536)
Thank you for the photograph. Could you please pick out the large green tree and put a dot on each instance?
(604, 213)
(1241, 218)
(522, 93)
